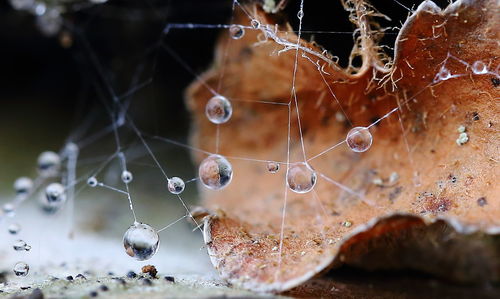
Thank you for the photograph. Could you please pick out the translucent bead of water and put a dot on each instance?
(50, 22)
(20, 245)
(92, 182)
(478, 68)
(23, 185)
(236, 31)
(301, 177)
(21, 269)
(255, 24)
(273, 167)
(141, 241)
(359, 139)
(54, 198)
(176, 185)
(14, 228)
(215, 172)
(218, 109)
(48, 163)
(9, 209)
(127, 176)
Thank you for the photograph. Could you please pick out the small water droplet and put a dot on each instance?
(14, 228)
(236, 31)
(48, 164)
(273, 167)
(127, 176)
(54, 198)
(478, 68)
(23, 185)
(176, 185)
(92, 182)
(21, 269)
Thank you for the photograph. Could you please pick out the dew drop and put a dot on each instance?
(176, 185)
(20, 245)
(443, 75)
(300, 14)
(215, 172)
(23, 185)
(218, 109)
(22, 4)
(300, 177)
(141, 241)
(236, 31)
(54, 198)
(21, 269)
(273, 167)
(478, 68)
(50, 22)
(255, 24)
(48, 164)
(9, 209)
(127, 176)
(14, 228)
(92, 181)
(359, 139)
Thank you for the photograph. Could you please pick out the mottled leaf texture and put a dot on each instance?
(417, 199)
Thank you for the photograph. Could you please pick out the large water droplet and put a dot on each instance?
(141, 241)
(48, 163)
(359, 139)
(54, 198)
(301, 177)
(215, 172)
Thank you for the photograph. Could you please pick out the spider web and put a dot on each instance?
(118, 143)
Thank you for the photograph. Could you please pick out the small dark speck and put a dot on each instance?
(111, 273)
(433, 151)
(36, 294)
(147, 282)
(453, 179)
(495, 82)
(25, 288)
(482, 201)
(3, 277)
(475, 116)
(170, 278)
(104, 288)
(93, 294)
(131, 274)
(70, 278)
(80, 276)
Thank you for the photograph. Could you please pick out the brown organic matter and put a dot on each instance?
(416, 199)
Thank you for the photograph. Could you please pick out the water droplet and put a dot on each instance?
(9, 209)
(22, 4)
(127, 176)
(21, 269)
(218, 109)
(39, 9)
(236, 31)
(92, 181)
(14, 228)
(48, 164)
(359, 139)
(176, 185)
(215, 172)
(443, 75)
(300, 177)
(20, 245)
(141, 241)
(300, 14)
(273, 167)
(54, 198)
(478, 68)
(50, 22)
(23, 185)
(255, 24)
